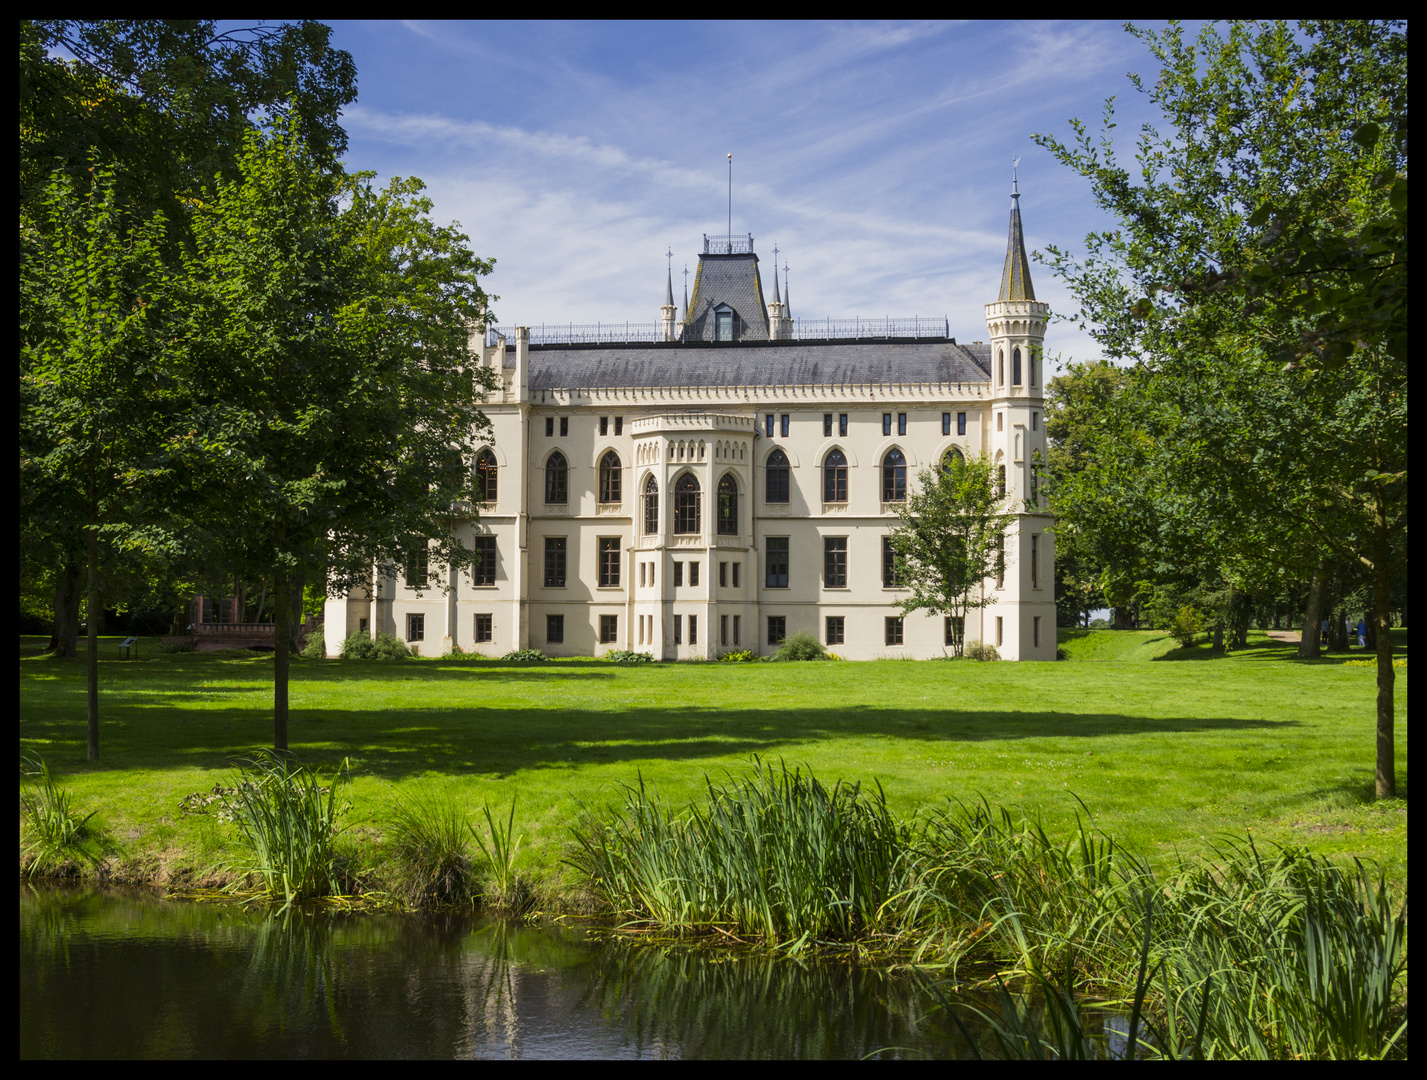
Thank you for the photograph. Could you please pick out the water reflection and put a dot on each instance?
(107, 974)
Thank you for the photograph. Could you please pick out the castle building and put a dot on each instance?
(721, 480)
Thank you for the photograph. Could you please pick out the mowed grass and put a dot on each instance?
(1168, 748)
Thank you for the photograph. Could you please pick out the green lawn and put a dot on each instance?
(1167, 747)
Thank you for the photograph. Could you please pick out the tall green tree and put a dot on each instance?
(950, 538)
(93, 391)
(327, 353)
(1270, 223)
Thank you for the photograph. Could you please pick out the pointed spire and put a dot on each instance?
(787, 295)
(1016, 277)
(686, 292)
(669, 287)
(777, 299)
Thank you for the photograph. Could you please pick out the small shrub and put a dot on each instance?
(742, 656)
(316, 647)
(358, 646)
(429, 854)
(1061, 654)
(524, 655)
(629, 656)
(178, 644)
(1187, 625)
(55, 835)
(386, 647)
(977, 650)
(801, 646)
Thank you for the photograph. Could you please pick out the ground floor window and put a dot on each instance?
(555, 629)
(416, 628)
(998, 630)
(777, 628)
(834, 629)
(694, 628)
(678, 628)
(609, 629)
(894, 630)
(955, 629)
(722, 628)
(1036, 631)
(484, 627)
(736, 620)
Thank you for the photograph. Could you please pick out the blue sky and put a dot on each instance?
(876, 156)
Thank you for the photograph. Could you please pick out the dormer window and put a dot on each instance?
(723, 323)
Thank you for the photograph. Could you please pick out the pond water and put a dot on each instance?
(113, 974)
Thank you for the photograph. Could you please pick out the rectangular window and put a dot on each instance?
(678, 574)
(901, 423)
(827, 425)
(555, 629)
(609, 629)
(890, 579)
(693, 574)
(485, 628)
(416, 628)
(777, 562)
(723, 629)
(723, 575)
(886, 423)
(1035, 560)
(893, 629)
(678, 629)
(998, 631)
(693, 629)
(642, 568)
(564, 426)
(418, 566)
(842, 424)
(619, 425)
(1036, 631)
(609, 561)
(483, 569)
(1001, 561)
(946, 423)
(768, 425)
(955, 629)
(555, 562)
(736, 620)
(1035, 421)
(549, 427)
(783, 425)
(834, 629)
(362, 625)
(604, 425)
(777, 629)
(835, 562)
(735, 574)
(961, 423)
(998, 420)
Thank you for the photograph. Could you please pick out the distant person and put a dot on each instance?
(1323, 634)
(1362, 634)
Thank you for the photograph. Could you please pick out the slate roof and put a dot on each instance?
(755, 363)
(731, 280)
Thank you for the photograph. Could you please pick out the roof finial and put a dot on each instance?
(669, 286)
(776, 298)
(730, 203)
(787, 294)
(686, 292)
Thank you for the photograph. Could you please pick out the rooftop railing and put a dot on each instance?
(601, 333)
(741, 244)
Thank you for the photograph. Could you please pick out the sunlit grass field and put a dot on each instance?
(1167, 748)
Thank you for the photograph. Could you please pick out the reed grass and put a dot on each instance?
(288, 822)
(428, 852)
(509, 891)
(54, 835)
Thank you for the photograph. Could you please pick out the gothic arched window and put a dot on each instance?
(485, 476)
(835, 477)
(1000, 368)
(609, 478)
(557, 479)
(728, 506)
(776, 488)
(894, 476)
(1000, 481)
(951, 459)
(1015, 367)
(651, 506)
(687, 505)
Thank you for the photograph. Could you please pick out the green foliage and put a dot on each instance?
(629, 656)
(950, 536)
(53, 835)
(525, 655)
(288, 822)
(500, 846)
(428, 856)
(740, 656)
(361, 646)
(978, 650)
(801, 646)
(316, 647)
(1188, 624)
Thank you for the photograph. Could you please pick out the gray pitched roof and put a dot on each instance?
(731, 280)
(763, 363)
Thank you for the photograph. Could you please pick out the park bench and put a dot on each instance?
(129, 644)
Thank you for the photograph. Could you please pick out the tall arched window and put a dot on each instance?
(1015, 367)
(687, 504)
(609, 478)
(776, 490)
(485, 476)
(651, 506)
(951, 460)
(894, 476)
(557, 479)
(728, 506)
(1000, 481)
(1000, 368)
(835, 477)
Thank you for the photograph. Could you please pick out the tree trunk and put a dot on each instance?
(91, 660)
(282, 659)
(1313, 614)
(68, 590)
(1386, 780)
(1218, 637)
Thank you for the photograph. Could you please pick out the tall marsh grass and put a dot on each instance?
(55, 836)
(428, 852)
(288, 822)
